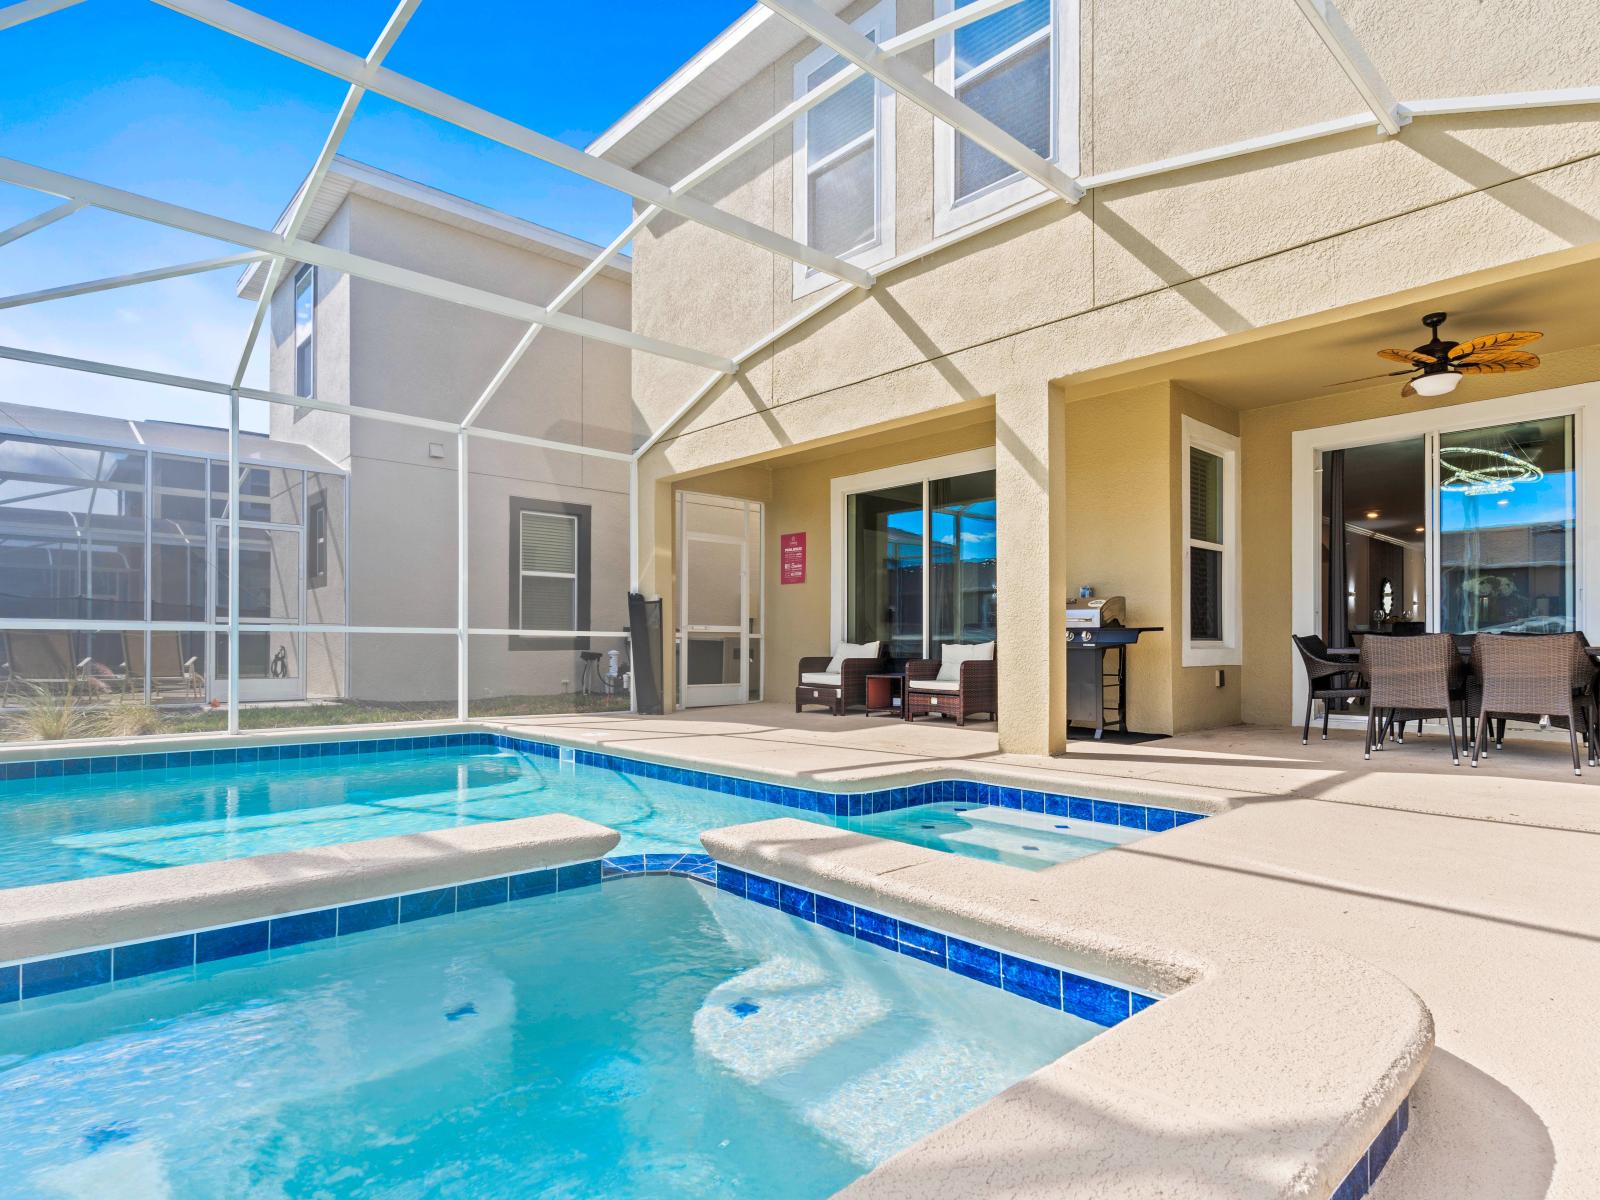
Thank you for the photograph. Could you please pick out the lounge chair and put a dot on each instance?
(964, 681)
(40, 660)
(169, 667)
(839, 682)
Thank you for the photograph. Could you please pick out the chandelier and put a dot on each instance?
(1477, 471)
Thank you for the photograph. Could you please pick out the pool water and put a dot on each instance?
(649, 1038)
(74, 826)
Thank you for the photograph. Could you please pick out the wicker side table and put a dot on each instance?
(882, 693)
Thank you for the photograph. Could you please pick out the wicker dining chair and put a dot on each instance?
(1523, 678)
(1414, 676)
(1327, 679)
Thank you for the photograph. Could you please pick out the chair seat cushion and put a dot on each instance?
(935, 685)
(831, 679)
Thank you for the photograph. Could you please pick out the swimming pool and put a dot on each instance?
(147, 811)
(653, 1038)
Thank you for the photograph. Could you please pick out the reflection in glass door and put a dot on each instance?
(719, 600)
(1507, 528)
(271, 591)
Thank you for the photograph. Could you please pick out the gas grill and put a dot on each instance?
(1095, 625)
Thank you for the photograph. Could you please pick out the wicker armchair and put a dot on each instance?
(1522, 678)
(1327, 679)
(851, 689)
(1415, 676)
(976, 691)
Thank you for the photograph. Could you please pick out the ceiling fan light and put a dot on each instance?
(1440, 384)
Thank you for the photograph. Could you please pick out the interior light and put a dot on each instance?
(1372, 514)
(1420, 529)
(1439, 384)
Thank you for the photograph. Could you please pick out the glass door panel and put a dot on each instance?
(884, 601)
(1507, 528)
(961, 541)
(717, 616)
(271, 591)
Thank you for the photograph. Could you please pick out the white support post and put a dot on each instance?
(176, 216)
(633, 574)
(13, 15)
(463, 564)
(122, 281)
(857, 48)
(49, 217)
(1351, 56)
(319, 171)
(233, 562)
(291, 43)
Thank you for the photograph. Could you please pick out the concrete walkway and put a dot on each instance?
(1479, 889)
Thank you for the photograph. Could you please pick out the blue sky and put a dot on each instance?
(127, 93)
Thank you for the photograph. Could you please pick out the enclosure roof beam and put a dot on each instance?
(301, 207)
(858, 49)
(1352, 58)
(175, 216)
(122, 281)
(291, 43)
(33, 224)
(13, 15)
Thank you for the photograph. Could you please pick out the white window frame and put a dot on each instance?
(879, 24)
(948, 214)
(308, 273)
(572, 575)
(1223, 652)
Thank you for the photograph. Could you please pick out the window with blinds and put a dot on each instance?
(1206, 547)
(1003, 70)
(548, 570)
(842, 150)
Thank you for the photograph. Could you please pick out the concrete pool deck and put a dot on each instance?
(1477, 889)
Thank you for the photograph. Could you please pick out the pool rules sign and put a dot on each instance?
(792, 558)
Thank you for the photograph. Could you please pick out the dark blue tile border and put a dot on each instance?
(1371, 1164)
(835, 804)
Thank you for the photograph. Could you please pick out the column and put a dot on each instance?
(1031, 587)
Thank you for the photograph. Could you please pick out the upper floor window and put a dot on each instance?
(1011, 68)
(305, 306)
(844, 160)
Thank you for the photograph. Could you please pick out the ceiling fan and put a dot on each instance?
(1437, 366)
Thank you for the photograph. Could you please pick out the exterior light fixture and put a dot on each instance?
(1441, 383)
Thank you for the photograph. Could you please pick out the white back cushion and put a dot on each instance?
(952, 656)
(846, 650)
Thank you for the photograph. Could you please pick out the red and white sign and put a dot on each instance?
(792, 558)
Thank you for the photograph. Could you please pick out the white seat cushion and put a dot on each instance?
(952, 656)
(935, 685)
(846, 650)
(822, 678)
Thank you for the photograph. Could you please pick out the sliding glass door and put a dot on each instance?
(920, 562)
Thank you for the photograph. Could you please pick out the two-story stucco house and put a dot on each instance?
(1156, 391)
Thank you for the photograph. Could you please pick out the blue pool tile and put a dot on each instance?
(269, 753)
(231, 941)
(731, 879)
(578, 875)
(145, 958)
(1355, 1184)
(836, 914)
(247, 754)
(762, 891)
(1188, 818)
(63, 974)
(1057, 806)
(1105, 812)
(1158, 819)
(369, 914)
(1383, 1146)
(290, 751)
(534, 883)
(49, 768)
(106, 762)
(1092, 1000)
(1030, 979)
(923, 944)
(21, 770)
(1130, 816)
(76, 766)
(1031, 801)
(1139, 1003)
(224, 758)
(10, 984)
(419, 906)
(797, 902)
(624, 864)
(304, 927)
(482, 893)
(661, 862)
(127, 762)
(975, 962)
(877, 929)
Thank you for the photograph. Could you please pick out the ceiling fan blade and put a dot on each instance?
(1514, 360)
(1496, 341)
(1364, 378)
(1527, 363)
(1408, 390)
(1407, 356)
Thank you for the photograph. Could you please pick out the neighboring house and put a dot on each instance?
(549, 530)
(1140, 390)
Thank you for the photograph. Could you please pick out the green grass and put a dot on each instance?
(348, 712)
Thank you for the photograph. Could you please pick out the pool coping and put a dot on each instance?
(1288, 1056)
